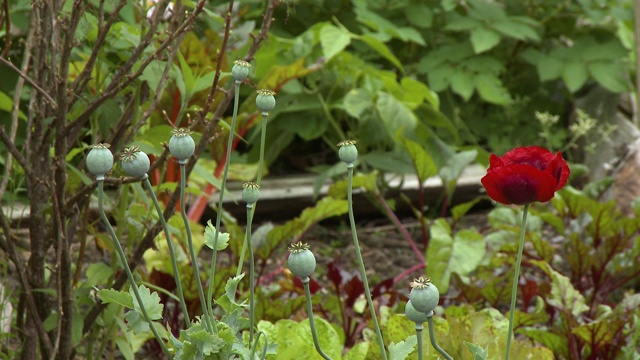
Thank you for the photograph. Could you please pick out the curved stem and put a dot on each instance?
(307, 294)
(419, 328)
(251, 272)
(209, 322)
(516, 275)
(264, 348)
(356, 244)
(123, 260)
(223, 185)
(167, 234)
(432, 337)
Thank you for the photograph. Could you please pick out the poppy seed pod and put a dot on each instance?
(99, 160)
(181, 144)
(135, 163)
(240, 70)
(348, 152)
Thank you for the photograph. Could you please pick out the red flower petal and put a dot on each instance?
(535, 156)
(559, 169)
(519, 184)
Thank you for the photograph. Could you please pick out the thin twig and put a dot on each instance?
(30, 81)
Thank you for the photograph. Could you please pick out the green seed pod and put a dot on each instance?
(240, 70)
(250, 193)
(302, 262)
(135, 163)
(181, 144)
(415, 315)
(99, 160)
(348, 152)
(265, 100)
(424, 295)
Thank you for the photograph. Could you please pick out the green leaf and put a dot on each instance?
(358, 352)
(333, 40)
(492, 90)
(382, 49)
(609, 75)
(549, 68)
(136, 322)
(6, 104)
(463, 23)
(478, 352)
(575, 75)
(462, 83)
(461, 253)
(356, 102)
(484, 39)
(151, 302)
(401, 350)
(394, 113)
(422, 162)
(563, 295)
(515, 29)
(116, 297)
(210, 237)
(419, 15)
(458, 211)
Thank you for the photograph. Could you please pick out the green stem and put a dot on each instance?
(264, 348)
(209, 322)
(307, 293)
(174, 264)
(419, 328)
(251, 272)
(516, 275)
(263, 137)
(223, 185)
(127, 270)
(434, 343)
(356, 244)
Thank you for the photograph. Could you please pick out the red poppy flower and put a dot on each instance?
(525, 175)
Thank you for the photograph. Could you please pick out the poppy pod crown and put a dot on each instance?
(525, 175)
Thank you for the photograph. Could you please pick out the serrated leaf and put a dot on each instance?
(136, 322)
(478, 352)
(401, 350)
(484, 39)
(117, 297)
(150, 301)
(210, 234)
(447, 253)
(333, 40)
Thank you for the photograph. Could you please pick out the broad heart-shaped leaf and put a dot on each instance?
(478, 352)
(117, 297)
(151, 302)
(356, 102)
(422, 162)
(333, 40)
(394, 113)
(401, 350)
(484, 39)
(461, 253)
(325, 208)
(563, 295)
(210, 240)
